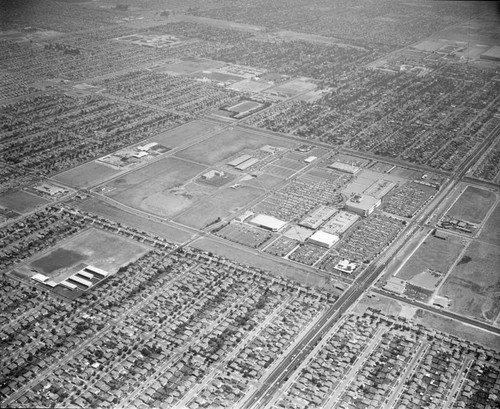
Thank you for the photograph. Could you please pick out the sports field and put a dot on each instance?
(185, 134)
(433, 254)
(93, 247)
(21, 202)
(221, 205)
(155, 188)
(228, 143)
(190, 65)
(87, 175)
(472, 205)
(490, 232)
(108, 211)
(295, 87)
(474, 283)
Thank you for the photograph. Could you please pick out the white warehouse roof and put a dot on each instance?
(268, 222)
(323, 239)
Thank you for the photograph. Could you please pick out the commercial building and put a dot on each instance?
(140, 154)
(247, 164)
(492, 54)
(379, 189)
(339, 223)
(346, 266)
(310, 159)
(239, 160)
(147, 147)
(211, 174)
(317, 217)
(323, 239)
(362, 204)
(344, 167)
(268, 222)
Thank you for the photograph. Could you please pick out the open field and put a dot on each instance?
(189, 65)
(226, 144)
(434, 254)
(294, 87)
(185, 134)
(87, 175)
(458, 329)
(155, 188)
(219, 205)
(108, 211)
(491, 229)
(21, 202)
(472, 205)
(94, 247)
(474, 283)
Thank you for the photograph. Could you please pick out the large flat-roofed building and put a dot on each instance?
(323, 239)
(339, 223)
(40, 278)
(344, 167)
(147, 147)
(363, 205)
(247, 164)
(77, 280)
(239, 160)
(492, 54)
(317, 217)
(268, 222)
(379, 189)
(96, 271)
(68, 285)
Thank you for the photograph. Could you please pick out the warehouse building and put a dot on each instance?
(363, 205)
(344, 167)
(339, 223)
(268, 222)
(492, 54)
(246, 164)
(317, 217)
(323, 239)
(239, 160)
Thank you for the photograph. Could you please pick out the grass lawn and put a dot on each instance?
(21, 202)
(474, 283)
(156, 188)
(221, 205)
(433, 253)
(94, 247)
(220, 147)
(472, 205)
(185, 134)
(87, 175)
(491, 229)
(108, 211)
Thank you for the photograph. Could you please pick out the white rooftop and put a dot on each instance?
(324, 238)
(269, 222)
